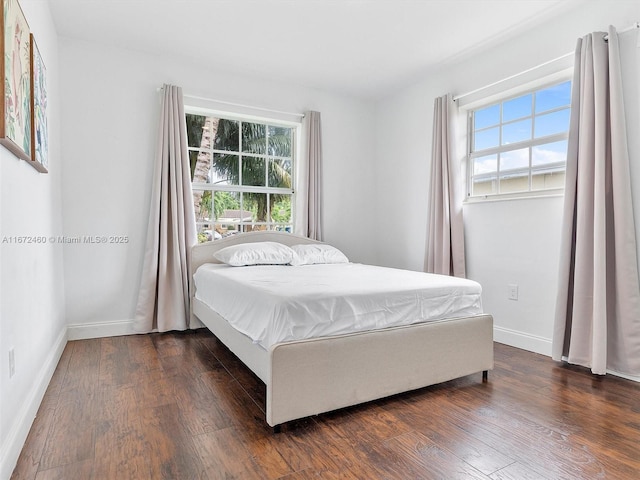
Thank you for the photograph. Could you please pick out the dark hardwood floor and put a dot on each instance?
(181, 406)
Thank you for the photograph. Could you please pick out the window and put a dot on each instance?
(520, 144)
(241, 172)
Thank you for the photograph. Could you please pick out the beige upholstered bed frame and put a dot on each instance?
(309, 377)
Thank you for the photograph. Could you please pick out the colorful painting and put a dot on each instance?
(39, 137)
(15, 122)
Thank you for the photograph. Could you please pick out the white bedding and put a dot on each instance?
(273, 304)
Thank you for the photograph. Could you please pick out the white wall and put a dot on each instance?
(32, 317)
(110, 118)
(508, 242)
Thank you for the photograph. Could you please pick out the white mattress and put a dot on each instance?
(273, 304)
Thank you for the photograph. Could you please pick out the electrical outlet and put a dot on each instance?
(513, 292)
(12, 362)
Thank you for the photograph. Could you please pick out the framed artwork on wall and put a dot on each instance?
(39, 132)
(15, 64)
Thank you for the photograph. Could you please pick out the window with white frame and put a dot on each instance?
(520, 144)
(242, 173)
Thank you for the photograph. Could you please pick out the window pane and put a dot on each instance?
(254, 139)
(280, 173)
(517, 108)
(226, 202)
(202, 205)
(552, 123)
(256, 203)
(253, 171)
(280, 228)
(514, 159)
(227, 135)
(545, 179)
(206, 232)
(225, 169)
(553, 97)
(516, 132)
(230, 216)
(193, 160)
(549, 153)
(280, 141)
(484, 186)
(200, 162)
(486, 117)
(486, 164)
(281, 208)
(195, 125)
(200, 166)
(515, 182)
(486, 139)
(228, 213)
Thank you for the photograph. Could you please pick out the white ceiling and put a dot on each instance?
(356, 47)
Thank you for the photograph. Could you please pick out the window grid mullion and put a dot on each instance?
(266, 160)
(240, 179)
(240, 153)
(516, 146)
(499, 155)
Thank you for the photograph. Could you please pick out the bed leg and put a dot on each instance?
(277, 429)
(485, 376)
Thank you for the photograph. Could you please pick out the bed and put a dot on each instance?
(316, 375)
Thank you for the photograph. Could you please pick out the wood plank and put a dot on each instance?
(129, 361)
(517, 471)
(223, 456)
(201, 410)
(428, 459)
(245, 377)
(171, 452)
(80, 470)
(71, 436)
(82, 373)
(29, 460)
(430, 418)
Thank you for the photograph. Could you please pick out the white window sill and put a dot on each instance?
(506, 197)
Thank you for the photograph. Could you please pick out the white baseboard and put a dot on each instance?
(12, 447)
(84, 331)
(525, 341)
(540, 345)
(633, 378)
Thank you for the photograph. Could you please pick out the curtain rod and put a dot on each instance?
(633, 26)
(458, 97)
(606, 37)
(193, 97)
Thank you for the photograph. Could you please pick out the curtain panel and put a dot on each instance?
(597, 321)
(445, 238)
(309, 217)
(163, 299)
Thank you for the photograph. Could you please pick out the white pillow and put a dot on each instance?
(317, 253)
(258, 253)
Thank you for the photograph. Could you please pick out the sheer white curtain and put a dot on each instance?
(163, 300)
(445, 238)
(309, 220)
(597, 322)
